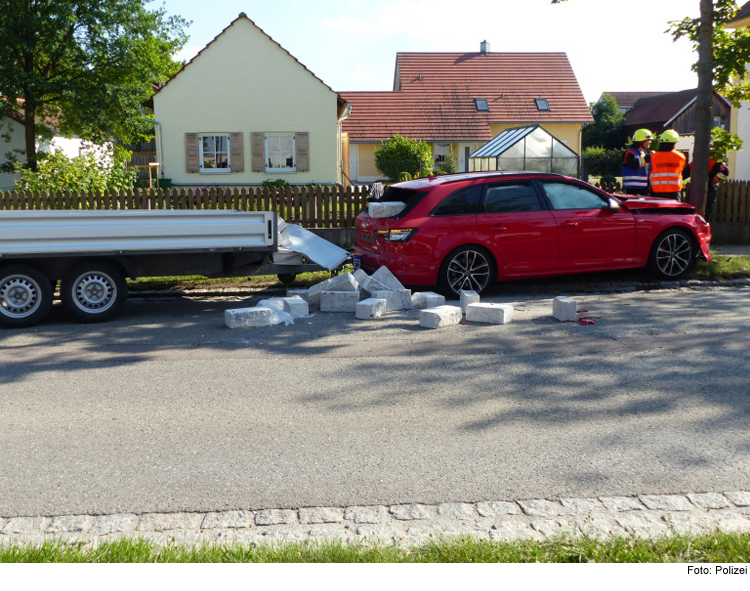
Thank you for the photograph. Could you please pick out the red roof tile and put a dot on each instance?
(434, 96)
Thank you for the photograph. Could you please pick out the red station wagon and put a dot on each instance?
(467, 231)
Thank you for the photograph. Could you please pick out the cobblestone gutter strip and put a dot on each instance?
(647, 516)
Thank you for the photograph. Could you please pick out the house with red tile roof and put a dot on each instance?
(460, 101)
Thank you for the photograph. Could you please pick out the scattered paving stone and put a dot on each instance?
(412, 512)
(228, 520)
(70, 523)
(276, 517)
(321, 515)
(541, 508)
(373, 514)
(581, 506)
(26, 525)
(457, 510)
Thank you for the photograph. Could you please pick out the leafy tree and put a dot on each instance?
(84, 67)
(606, 131)
(400, 154)
(57, 172)
(449, 165)
(722, 57)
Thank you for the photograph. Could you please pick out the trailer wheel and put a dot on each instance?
(25, 296)
(287, 278)
(93, 292)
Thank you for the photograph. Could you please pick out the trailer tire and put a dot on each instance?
(287, 278)
(25, 296)
(93, 292)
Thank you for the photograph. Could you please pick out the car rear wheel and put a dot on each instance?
(466, 268)
(93, 292)
(672, 255)
(25, 296)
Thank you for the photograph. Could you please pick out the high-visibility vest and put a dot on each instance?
(635, 179)
(666, 171)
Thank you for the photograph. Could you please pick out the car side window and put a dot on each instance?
(566, 196)
(511, 198)
(463, 202)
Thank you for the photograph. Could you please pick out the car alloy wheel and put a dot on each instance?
(673, 254)
(469, 268)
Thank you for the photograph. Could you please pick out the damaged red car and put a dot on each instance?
(469, 231)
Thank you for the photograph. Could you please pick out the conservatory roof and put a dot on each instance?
(510, 137)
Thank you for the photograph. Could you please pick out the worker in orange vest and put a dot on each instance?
(668, 167)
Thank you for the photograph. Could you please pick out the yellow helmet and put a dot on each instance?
(670, 137)
(642, 135)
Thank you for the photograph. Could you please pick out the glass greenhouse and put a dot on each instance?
(525, 148)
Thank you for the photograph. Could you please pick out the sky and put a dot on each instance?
(612, 45)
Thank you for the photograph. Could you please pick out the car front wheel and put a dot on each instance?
(672, 255)
(467, 268)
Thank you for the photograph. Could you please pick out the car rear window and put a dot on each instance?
(408, 196)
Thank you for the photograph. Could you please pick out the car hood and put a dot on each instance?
(655, 204)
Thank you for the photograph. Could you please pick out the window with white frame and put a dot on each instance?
(214, 152)
(439, 152)
(280, 152)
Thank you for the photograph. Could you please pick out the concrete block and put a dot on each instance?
(565, 309)
(272, 304)
(440, 316)
(384, 275)
(361, 276)
(489, 313)
(313, 294)
(427, 299)
(399, 299)
(296, 306)
(302, 293)
(371, 285)
(339, 301)
(247, 317)
(385, 209)
(371, 308)
(468, 297)
(343, 282)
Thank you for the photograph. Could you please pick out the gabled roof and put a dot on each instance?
(241, 16)
(434, 96)
(626, 100)
(663, 108)
(743, 14)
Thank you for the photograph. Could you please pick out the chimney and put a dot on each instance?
(484, 47)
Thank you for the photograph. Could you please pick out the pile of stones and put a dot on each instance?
(370, 297)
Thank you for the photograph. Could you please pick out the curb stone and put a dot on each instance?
(402, 524)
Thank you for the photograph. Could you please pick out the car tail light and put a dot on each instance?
(398, 235)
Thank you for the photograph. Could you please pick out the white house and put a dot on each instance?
(244, 111)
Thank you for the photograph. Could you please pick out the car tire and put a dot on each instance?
(25, 296)
(93, 292)
(466, 268)
(672, 254)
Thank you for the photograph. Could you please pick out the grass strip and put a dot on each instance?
(716, 547)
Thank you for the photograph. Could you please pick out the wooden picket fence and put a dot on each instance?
(311, 207)
(732, 202)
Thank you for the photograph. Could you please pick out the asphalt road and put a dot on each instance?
(165, 409)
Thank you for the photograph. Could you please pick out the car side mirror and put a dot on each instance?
(613, 205)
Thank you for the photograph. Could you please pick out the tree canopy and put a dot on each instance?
(606, 131)
(84, 68)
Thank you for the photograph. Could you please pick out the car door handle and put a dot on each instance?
(571, 224)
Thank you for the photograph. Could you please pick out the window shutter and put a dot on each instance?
(237, 152)
(192, 157)
(302, 157)
(258, 149)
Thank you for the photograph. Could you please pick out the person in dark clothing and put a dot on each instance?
(635, 164)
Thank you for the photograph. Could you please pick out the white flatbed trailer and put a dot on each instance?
(91, 252)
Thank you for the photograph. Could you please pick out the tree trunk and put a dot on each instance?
(29, 124)
(704, 108)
